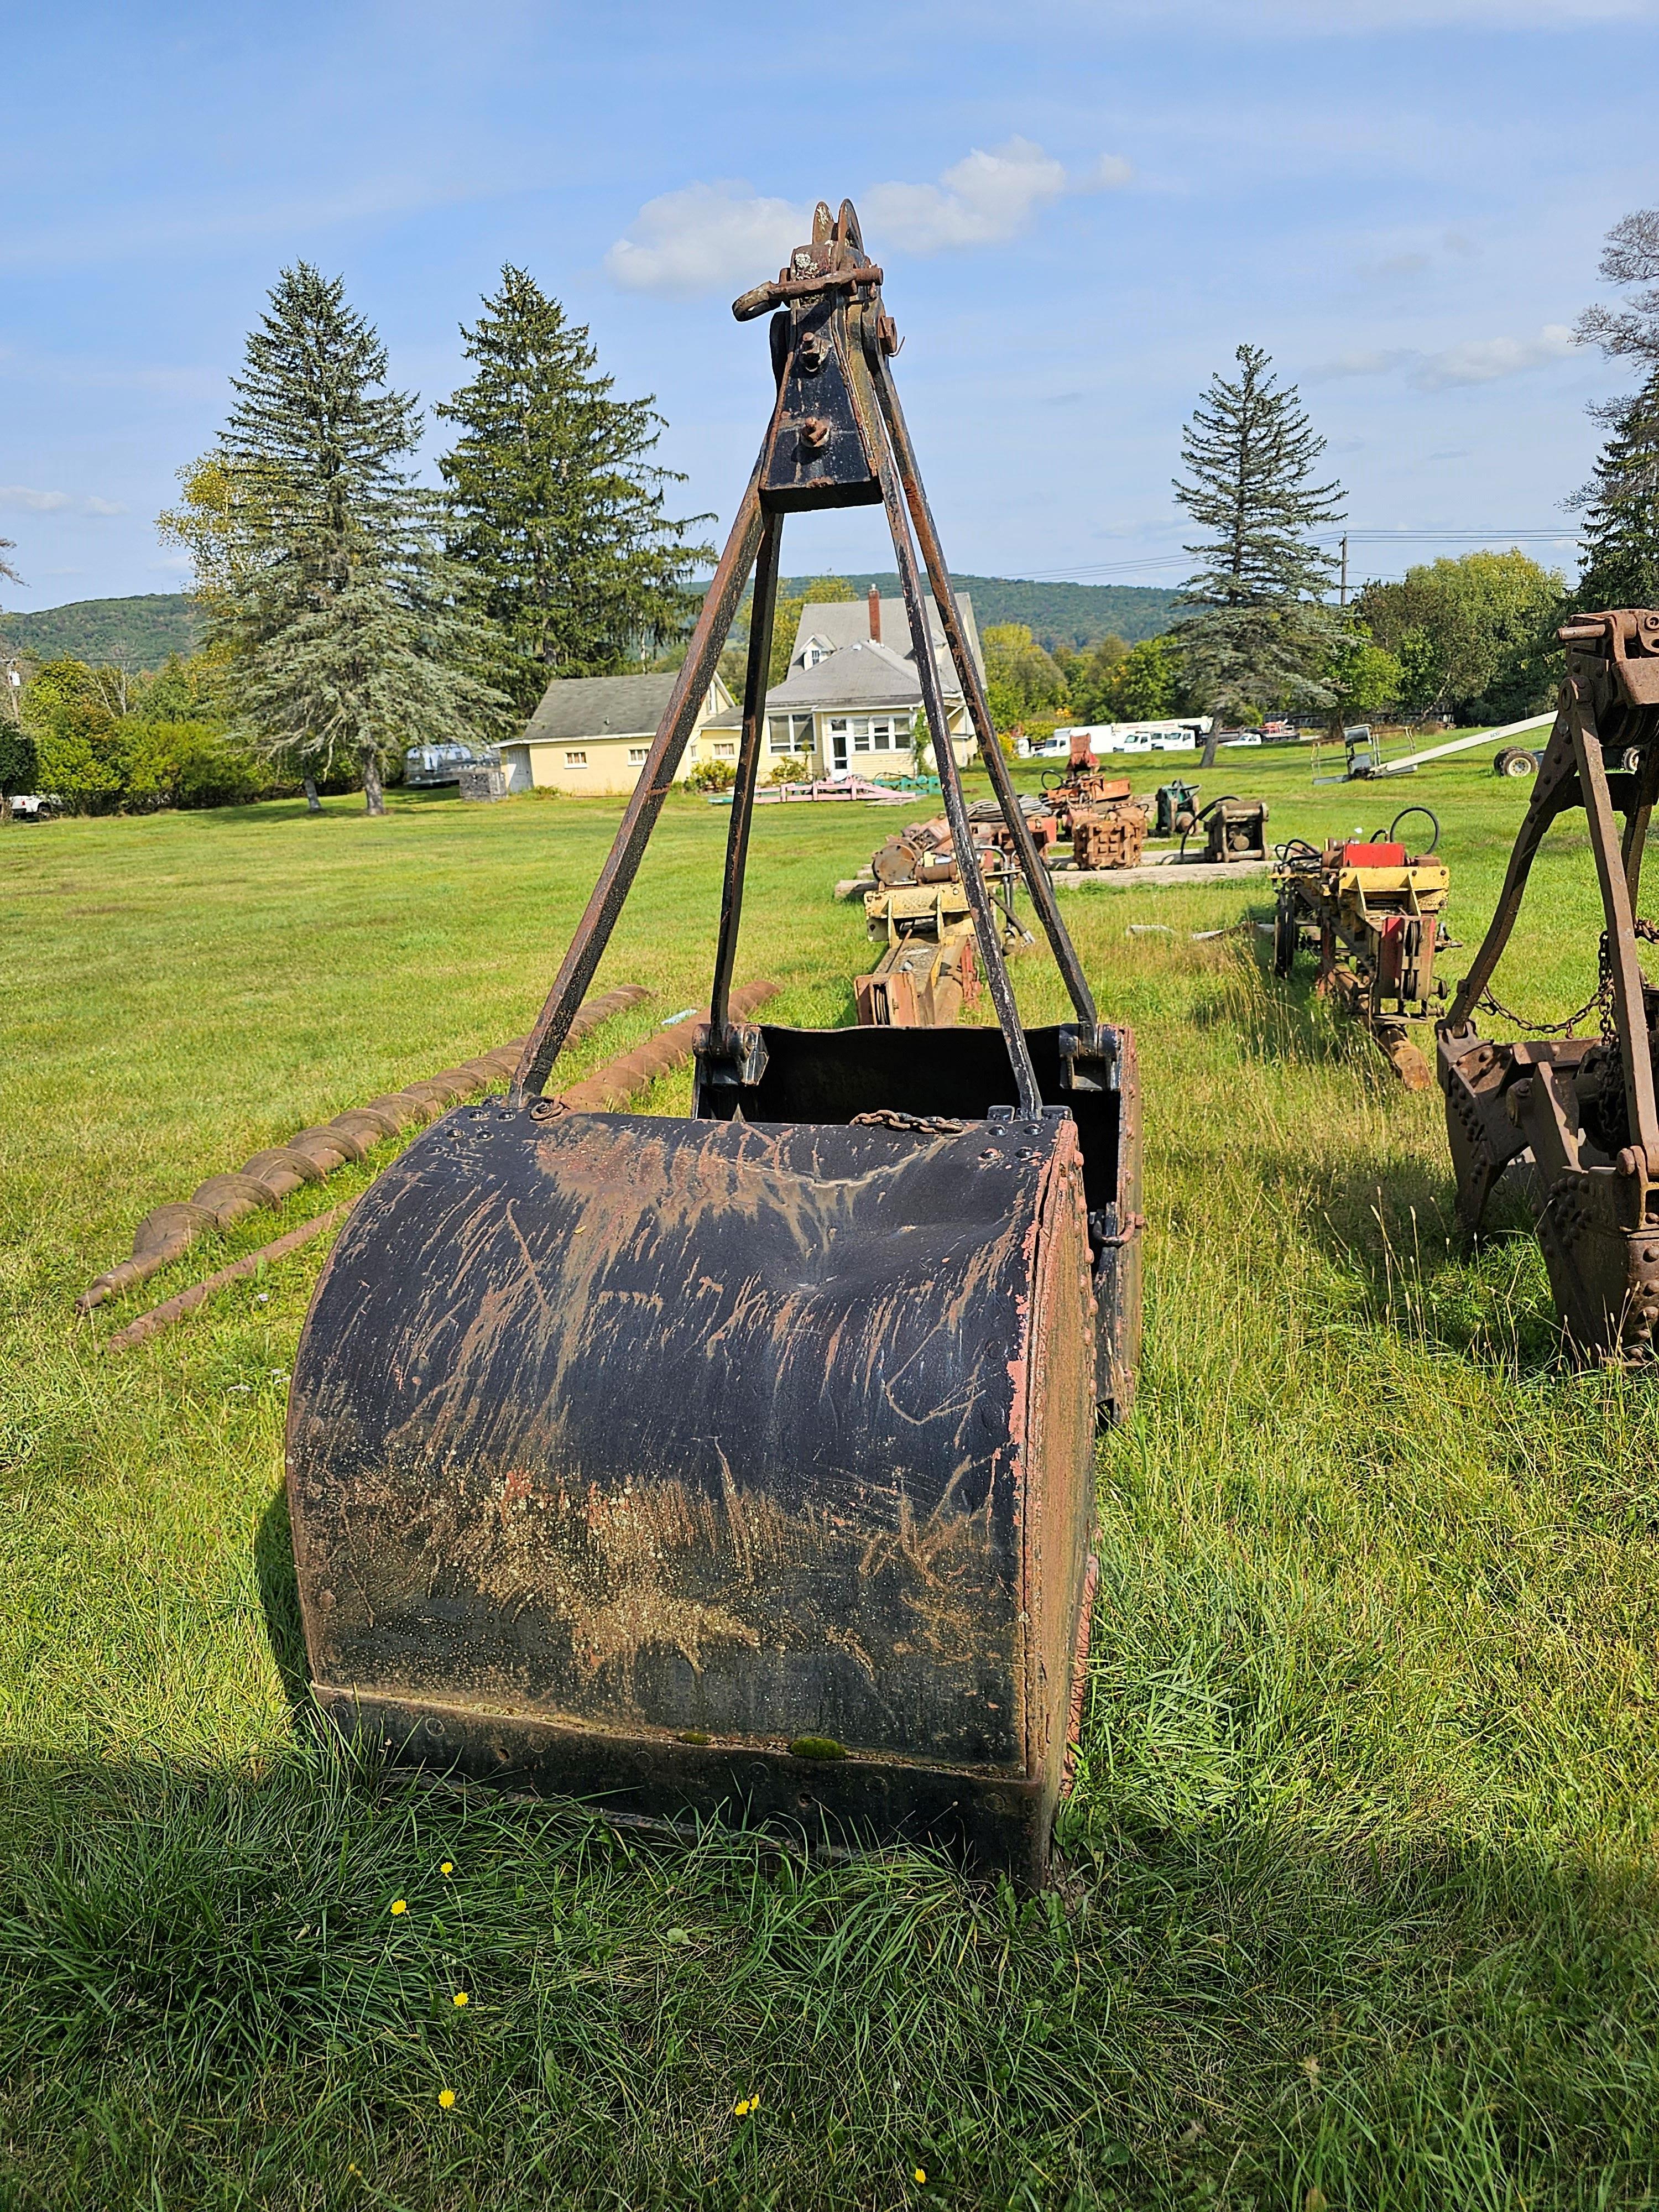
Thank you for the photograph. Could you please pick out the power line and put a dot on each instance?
(1183, 558)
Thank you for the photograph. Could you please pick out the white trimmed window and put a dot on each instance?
(789, 734)
(726, 752)
(575, 760)
(638, 756)
(874, 733)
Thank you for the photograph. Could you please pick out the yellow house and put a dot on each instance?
(594, 733)
(850, 703)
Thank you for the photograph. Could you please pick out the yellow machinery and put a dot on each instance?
(1373, 912)
(928, 974)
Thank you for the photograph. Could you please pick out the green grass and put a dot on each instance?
(1356, 1901)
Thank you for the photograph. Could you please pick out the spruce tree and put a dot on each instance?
(339, 610)
(555, 508)
(1261, 631)
(1620, 506)
(1620, 503)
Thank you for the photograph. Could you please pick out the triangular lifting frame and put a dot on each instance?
(837, 438)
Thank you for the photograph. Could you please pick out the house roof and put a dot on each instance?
(847, 623)
(607, 705)
(856, 671)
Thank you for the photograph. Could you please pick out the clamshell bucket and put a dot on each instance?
(741, 1467)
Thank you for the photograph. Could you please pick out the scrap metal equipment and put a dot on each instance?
(658, 1461)
(1576, 1115)
(1373, 914)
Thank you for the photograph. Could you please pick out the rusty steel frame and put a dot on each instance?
(892, 479)
(1565, 1100)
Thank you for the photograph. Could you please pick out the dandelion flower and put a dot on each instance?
(448, 1866)
(746, 2104)
(445, 2099)
(399, 1905)
(921, 2176)
(461, 1997)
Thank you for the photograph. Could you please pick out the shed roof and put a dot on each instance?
(609, 706)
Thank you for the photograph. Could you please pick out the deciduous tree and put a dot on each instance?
(1362, 676)
(1091, 677)
(1470, 634)
(1021, 679)
(1148, 683)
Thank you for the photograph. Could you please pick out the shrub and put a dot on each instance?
(189, 764)
(712, 775)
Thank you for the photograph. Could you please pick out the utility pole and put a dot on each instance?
(1342, 595)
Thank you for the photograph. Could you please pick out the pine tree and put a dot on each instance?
(1261, 631)
(1620, 506)
(338, 608)
(555, 508)
(1620, 503)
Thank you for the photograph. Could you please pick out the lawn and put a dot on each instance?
(1355, 1905)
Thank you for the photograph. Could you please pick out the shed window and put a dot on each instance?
(575, 760)
(638, 756)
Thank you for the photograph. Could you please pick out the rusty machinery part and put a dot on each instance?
(631, 1072)
(1109, 831)
(1374, 916)
(613, 1085)
(172, 1310)
(1041, 821)
(1235, 828)
(167, 1232)
(1578, 1112)
(624, 1452)
(919, 983)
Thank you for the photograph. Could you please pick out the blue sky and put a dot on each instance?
(1083, 206)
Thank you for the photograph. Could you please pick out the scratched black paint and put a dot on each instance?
(647, 1426)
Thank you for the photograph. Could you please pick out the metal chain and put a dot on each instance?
(1599, 1003)
(931, 1125)
(1486, 1004)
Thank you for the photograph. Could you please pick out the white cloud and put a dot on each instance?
(706, 236)
(1482, 361)
(1476, 360)
(983, 200)
(23, 499)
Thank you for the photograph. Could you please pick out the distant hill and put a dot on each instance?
(133, 634)
(1068, 614)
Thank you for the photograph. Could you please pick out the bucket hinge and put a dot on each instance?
(736, 1063)
(1089, 1057)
